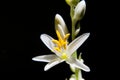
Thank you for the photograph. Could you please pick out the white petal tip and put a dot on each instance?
(57, 15)
(87, 69)
(34, 59)
(46, 68)
(83, 2)
(41, 36)
(88, 34)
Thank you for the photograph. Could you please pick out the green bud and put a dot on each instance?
(72, 2)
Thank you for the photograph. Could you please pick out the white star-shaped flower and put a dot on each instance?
(63, 51)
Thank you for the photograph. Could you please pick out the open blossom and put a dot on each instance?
(63, 51)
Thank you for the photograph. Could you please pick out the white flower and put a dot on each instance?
(63, 51)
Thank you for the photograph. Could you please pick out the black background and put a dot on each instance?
(20, 30)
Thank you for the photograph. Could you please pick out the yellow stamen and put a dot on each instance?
(61, 42)
(65, 46)
(66, 36)
(58, 35)
(56, 42)
(57, 49)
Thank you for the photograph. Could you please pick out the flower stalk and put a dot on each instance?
(77, 10)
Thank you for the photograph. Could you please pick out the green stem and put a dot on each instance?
(71, 11)
(73, 37)
(76, 73)
(73, 31)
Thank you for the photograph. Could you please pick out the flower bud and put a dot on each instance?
(77, 31)
(59, 21)
(79, 10)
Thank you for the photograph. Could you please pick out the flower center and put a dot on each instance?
(64, 56)
(61, 43)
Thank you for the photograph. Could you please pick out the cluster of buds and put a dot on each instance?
(78, 9)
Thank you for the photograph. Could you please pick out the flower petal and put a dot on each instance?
(47, 40)
(45, 58)
(52, 63)
(62, 33)
(59, 20)
(75, 44)
(77, 63)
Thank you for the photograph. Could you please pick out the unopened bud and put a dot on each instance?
(79, 10)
